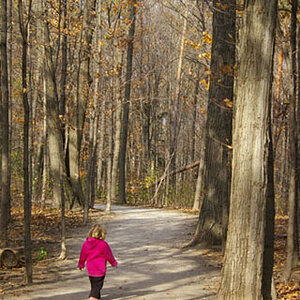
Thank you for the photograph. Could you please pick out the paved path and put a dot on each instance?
(146, 242)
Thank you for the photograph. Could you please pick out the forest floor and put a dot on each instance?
(147, 243)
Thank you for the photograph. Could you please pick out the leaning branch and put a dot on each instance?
(180, 170)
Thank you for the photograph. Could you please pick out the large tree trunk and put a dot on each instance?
(292, 238)
(248, 263)
(215, 208)
(5, 181)
(126, 105)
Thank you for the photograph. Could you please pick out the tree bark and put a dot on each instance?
(218, 138)
(292, 238)
(84, 81)
(24, 26)
(52, 108)
(126, 106)
(5, 180)
(199, 185)
(248, 261)
(116, 151)
(63, 6)
(175, 110)
(109, 129)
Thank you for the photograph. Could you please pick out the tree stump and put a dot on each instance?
(8, 258)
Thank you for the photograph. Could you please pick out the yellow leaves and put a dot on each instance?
(228, 103)
(207, 38)
(206, 55)
(192, 44)
(205, 83)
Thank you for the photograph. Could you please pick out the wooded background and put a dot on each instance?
(132, 102)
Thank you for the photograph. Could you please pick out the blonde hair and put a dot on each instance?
(98, 232)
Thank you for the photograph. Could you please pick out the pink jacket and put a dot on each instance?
(96, 253)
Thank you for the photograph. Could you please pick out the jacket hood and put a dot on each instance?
(92, 242)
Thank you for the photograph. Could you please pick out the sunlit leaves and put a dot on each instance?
(207, 38)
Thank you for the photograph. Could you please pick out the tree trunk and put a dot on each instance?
(248, 262)
(176, 111)
(94, 163)
(45, 139)
(116, 151)
(24, 26)
(84, 81)
(199, 185)
(109, 129)
(90, 185)
(215, 207)
(10, 116)
(126, 105)
(100, 176)
(292, 238)
(5, 172)
(63, 5)
(53, 121)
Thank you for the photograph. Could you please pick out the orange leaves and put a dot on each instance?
(222, 6)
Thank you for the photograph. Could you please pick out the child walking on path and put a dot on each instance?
(96, 252)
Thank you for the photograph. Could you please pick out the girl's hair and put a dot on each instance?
(98, 232)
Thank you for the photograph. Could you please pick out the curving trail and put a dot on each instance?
(146, 243)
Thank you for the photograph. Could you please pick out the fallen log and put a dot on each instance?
(9, 258)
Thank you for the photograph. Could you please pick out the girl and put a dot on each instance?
(96, 252)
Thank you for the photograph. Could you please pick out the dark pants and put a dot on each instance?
(96, 286)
